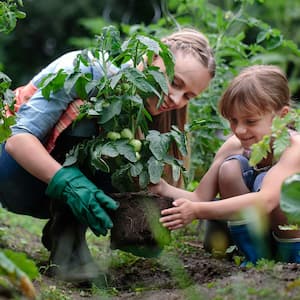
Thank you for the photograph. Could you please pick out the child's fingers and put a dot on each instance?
(170, 218)
(175, 224)
(169, 211)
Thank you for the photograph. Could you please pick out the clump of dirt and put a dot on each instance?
(136, 224)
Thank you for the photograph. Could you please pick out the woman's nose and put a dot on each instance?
(176, 99)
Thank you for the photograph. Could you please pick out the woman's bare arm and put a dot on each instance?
(28, 151)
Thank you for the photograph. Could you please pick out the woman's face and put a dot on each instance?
(190, 79)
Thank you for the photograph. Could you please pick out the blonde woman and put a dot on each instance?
(30, 163)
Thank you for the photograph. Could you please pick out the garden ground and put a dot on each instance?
(183, 271)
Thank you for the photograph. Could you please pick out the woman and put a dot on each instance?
(28, 171)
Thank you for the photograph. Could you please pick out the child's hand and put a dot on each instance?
(180, 215)
(159, 188)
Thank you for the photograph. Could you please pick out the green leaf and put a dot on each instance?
(259, 151)
(115, 79)
(274, 42)
(136, 169)
(160, 78)
(151, 43)
(290, 199)
(159, 144)
(175, 171)
(20, 259)
(262, 35)
(180, 140)
(144, 179)
(52, 83)
(109, 112)
(155, 169)
(109, 149)
(168, 59)
(71, 157)
(139, 80)
(126, 150)
(281, 142)
(99, 164)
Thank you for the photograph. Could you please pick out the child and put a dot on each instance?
(250, 103)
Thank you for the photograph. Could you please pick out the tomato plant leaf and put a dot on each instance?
(290, 199)
(155, 169)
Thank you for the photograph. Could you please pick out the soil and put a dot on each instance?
(136, 226)
(182, 271)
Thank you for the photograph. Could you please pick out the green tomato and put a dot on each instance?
(137, 145)
(138, 155)
(112, 135)
(126, 133)
(105, 104)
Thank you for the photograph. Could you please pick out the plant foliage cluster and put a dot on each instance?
(16, 270)
(125, 147)
(9, 14)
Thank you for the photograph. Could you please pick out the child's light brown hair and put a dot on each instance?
(257, 89)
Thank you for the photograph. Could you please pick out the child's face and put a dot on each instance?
(190, 79)
(250, 128)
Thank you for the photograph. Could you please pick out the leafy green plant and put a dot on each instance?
(19, 271)
(277, 142)
(125, 147)
(239, 38)
(290, 201)
(9, 14)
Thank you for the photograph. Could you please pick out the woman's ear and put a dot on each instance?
(284, 111)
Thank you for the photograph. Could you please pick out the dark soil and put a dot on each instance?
(136, 226)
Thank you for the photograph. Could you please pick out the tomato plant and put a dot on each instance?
(125, 147)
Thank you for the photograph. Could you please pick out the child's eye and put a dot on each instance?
(251, 122)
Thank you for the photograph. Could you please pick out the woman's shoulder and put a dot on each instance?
(64, 62)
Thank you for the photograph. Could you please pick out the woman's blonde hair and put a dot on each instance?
(191, 42)
(257, 89)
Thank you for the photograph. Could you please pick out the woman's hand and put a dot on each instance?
(180, 215)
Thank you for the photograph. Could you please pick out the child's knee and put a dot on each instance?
(229, 171)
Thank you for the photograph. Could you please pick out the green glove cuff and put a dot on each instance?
(87, 202)
(57, 185)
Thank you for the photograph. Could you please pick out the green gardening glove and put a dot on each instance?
(87, 202)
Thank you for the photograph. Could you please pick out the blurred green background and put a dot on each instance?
(50, 26)
(241, 32)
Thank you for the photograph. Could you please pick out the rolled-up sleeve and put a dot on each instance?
(38, 116)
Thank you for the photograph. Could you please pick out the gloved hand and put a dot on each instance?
(87, 202)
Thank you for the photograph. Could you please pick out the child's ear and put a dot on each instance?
(284, 111)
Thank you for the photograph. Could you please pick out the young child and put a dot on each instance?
(250, 103)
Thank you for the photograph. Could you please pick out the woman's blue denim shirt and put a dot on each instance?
(39, 115)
